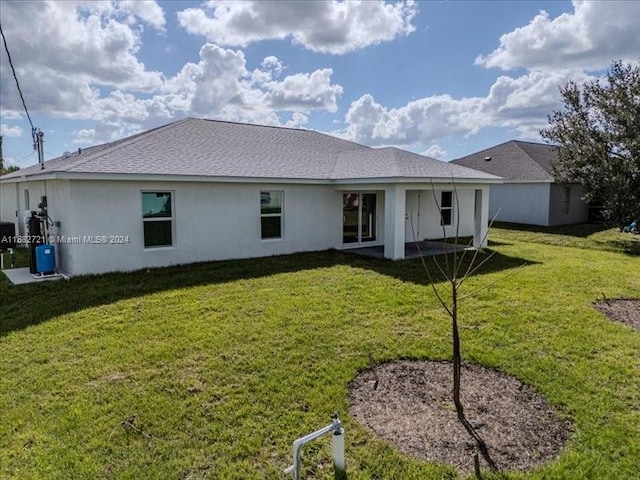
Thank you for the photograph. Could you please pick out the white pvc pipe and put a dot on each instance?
(337, 450)
(337, 446)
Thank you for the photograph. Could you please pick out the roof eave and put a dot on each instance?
(435, 180)
(66, 175)
(31, 177)
(524, 180)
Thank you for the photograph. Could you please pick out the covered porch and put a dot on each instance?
(426, 248)
(386, 221)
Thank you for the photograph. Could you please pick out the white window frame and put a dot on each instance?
(160, 219)
(442, 209)
(272, 215)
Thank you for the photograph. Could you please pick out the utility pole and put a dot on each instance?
(38, 145)
(1, 158)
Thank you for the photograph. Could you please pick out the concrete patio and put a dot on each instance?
(428, 248)
(22, 276)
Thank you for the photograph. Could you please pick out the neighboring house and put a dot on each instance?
(197, 190)
(529, 193)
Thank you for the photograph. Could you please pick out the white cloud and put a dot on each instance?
(435, 151)
(147, 10)
(423, 121)
(10, 161)
(9, 114)
(304, 92)
(220, 86)
(79, 60)
(113, 130)
(521, 104)
(272, 64)
(85, 136)
(322, 26)
(64, 52)
(10, 131)
(591, 37)
(297, 120)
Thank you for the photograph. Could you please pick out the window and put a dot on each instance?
(157, 219)
(271, 214)
(566, 199)
(446, 208)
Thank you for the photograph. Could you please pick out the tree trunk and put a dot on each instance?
(457, 360)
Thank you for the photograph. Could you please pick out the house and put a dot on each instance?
(198, 190)
(529, 194)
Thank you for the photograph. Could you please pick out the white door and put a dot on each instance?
(412, 216)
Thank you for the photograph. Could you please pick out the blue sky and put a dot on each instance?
(441, 78)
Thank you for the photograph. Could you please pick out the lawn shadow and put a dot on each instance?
(412, 270)
(23, 306)
(583, 235)
(581, 230)
(629, 246)
(495, 243)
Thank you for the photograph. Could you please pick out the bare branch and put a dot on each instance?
(444, 274)
(372, 364)
(464, 254)
(477, 251)
(128, 424)
(426, 268)
(457, 214)
(432, 283)
(477, 267)
(444, 233)
(492, 283)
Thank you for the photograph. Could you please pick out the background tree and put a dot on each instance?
(4, 170)
(598, 139)
(10, 169)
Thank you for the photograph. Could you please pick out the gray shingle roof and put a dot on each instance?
(198, 147)
(514, 160)
(393, 162)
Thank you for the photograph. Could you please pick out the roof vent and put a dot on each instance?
(66, 154)
(487, 159)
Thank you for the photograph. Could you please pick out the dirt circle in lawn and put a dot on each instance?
(623, 310)
(411, 408)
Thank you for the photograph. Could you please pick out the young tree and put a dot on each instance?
(598, 139)
(456, 268)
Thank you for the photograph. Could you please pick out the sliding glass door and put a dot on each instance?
(359, 222)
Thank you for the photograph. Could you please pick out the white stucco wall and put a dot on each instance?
(216, 221)
(526, 203)
(13, 202)
(422, 211)
(212, 221)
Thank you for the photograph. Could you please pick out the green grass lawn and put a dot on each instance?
(224, 364)
(584, 235)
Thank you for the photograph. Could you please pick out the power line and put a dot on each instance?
(24, 157)
(16, 79)
(38, 136)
